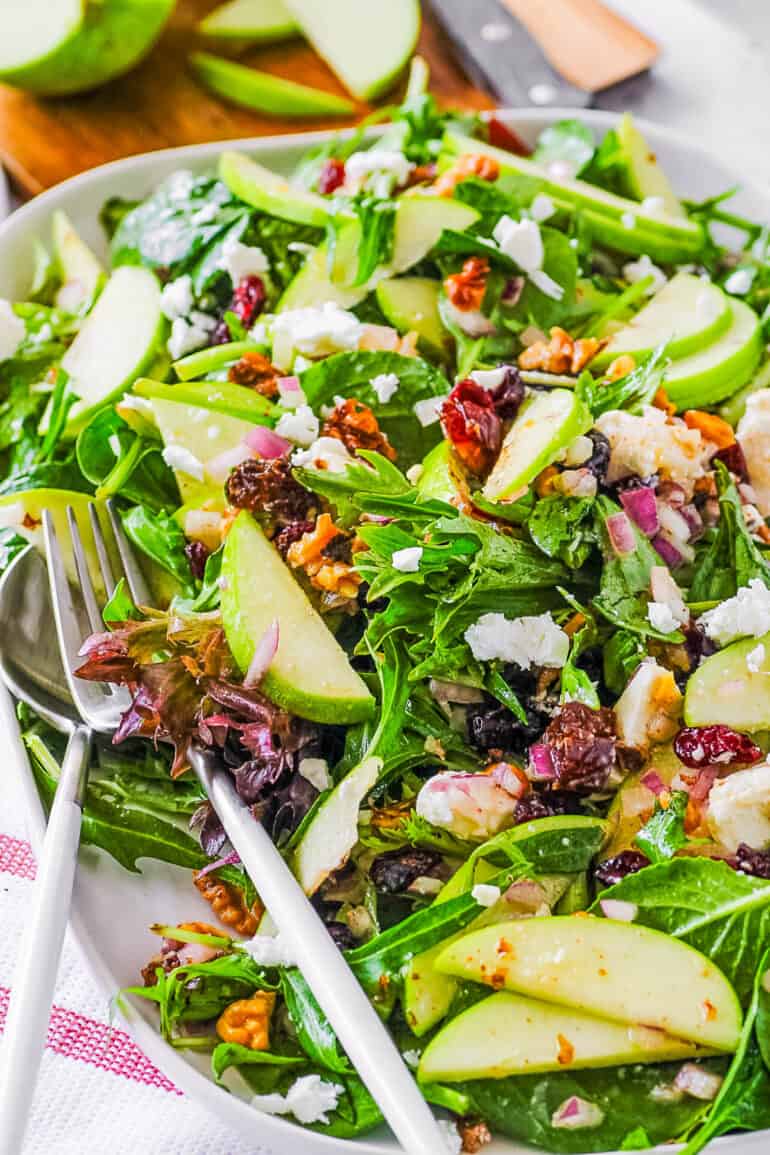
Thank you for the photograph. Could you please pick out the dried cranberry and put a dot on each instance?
(754, 862)
(473, 425)
(341, 935)
(583, 743)
(732, 456)
(503, 137)
(599, 460)
(332, 176)
(509, 394)
(698, 746)
(291, 533)
(197, 554)
(615, 869)
(396, 870)
(249, 299)
(267, 486)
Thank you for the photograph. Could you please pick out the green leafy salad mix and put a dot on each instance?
(448, 463)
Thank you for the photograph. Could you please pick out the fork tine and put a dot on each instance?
(65, 612)
(84, 574)
(101, 551)
(137, 585)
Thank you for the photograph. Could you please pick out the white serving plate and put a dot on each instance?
(113, 908)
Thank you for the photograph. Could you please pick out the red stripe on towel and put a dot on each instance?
(16, 857)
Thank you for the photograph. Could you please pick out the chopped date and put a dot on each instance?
(342, 936)
(753, 862)
(197, 555)
(492, 726)
(340, 548)
(268, 487)
(583, 744)
(599, 460)
(698, 746)
(732, 456)
(473, 425)
(291, 533)
(615, 869)
(396, 870)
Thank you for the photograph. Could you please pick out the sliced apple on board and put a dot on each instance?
(310, 674)
(617, 970)
(510, 1034)
(249, 88)
(56, 47)
(245, 21)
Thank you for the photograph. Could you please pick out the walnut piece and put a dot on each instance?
(465, 290)
(562, 354)
(229, 904)
(247, 1021)
(355, 425)
(469, 165)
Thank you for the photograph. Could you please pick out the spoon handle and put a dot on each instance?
(38, 960)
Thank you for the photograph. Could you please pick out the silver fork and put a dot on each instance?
(358, 1026)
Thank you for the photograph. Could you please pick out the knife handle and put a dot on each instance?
(584, 41)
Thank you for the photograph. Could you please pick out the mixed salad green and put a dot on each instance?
(450, 468)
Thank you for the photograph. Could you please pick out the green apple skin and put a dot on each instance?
(271, 193)
(209, 360)
(411, 304)
(219, 396)
(264, 92)
(193, 428)
(367, 43)
(723, 690)
(618, 970)
(111, 37)
(707, 377)
(310, 674)
(638, 240)
(510, 1034)
(249, 21)
(644, 174)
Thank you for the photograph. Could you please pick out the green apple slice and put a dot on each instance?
(218, 396)
(411, 303)
(634, 803)
(270, 192)
(686, 315)
(205, 437)
(264, 92)
(367, 43)
(420, 221)
(645, 176)
(723, 690)
(81, 272)
(509, 1034)
(327, 842)
(55, 47)
(261, 21)
(545, 425)
(116, 344)
(435, 480)
(310, 674)
(618, 970)
(214, 358)
(715, 373)
(23, 512)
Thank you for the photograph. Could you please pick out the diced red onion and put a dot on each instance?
(221, 466)
(672, 493)
(504, 776)
(642, 508)
(698, 1082)
(653, 781)
(288, 385)
(618, 910)
(575, 1113)
(670, 554)
(694, 521)
(541, 763)
(701, 787)
(263, 655)
(231, 859)
(265, 443)
(673, 525)
(512, 291)
(621, 534)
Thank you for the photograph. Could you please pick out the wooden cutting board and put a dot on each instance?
(159, 105)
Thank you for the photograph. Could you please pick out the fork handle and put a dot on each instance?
(38, 960)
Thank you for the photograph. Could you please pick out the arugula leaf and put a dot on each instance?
(377, 218)
(349, 489)
(568, 141)
(564, 528)
(663, 834)
(733, 558)
(159, 537)
(631, 392)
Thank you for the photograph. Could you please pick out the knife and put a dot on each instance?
(551, 53)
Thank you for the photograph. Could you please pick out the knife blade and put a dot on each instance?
(499, 54)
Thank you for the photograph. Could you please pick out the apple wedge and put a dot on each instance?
(712, 374)
(264, 92)
(271, 193)
(245, 21)
(509, 1034)
(617, 970)
(724, 690)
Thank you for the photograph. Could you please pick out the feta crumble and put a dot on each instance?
(327, 453)
(316, 772)
(452, 1138)
(309, 1100)
(188, 335)
(637, 270)
(739, 282)
(407, 560)
(318, 331)
(269, 950)
(12, 330)
(177, 300)
(755, 659)
(385, 385)
(378, 169)
(412, 1059)
(183, 461)
(739, 808)
(661, 618)
(114, 443)
(485, 893)
(526, 641)
(650, 443)
(542, 208)
(489, 378)
(300, 426)
(239, 260)
(521, 241)
(654, 206)
(428, 411)
(747, 615)
(578, 450)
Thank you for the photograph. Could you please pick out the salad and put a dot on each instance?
(449, 463)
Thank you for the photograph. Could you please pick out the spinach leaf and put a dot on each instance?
(159, 537)
(609, 167)
(576, 686)
(733, 558)
(490, 201)
(535, 307)
(227, 1055)
(113, 458)
(60, 474)
(631, 392)
(568, 141)
(564, 527)
(454, 243)
(120, 607)
(315, 1033)
(663, 834)
(622, 654)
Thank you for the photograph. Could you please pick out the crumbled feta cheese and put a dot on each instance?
(379, 169)
(407, 560)
(258, 333)
(546, 284)
(637, 270)
(739, 808)
(521, 241)
(542, 208)
(269, 951)
(578, 450)
(747, 615)
(327, 453)
(648, 710)
(628, 221)
(181, 459)
(205, 215)
(526, 641)
(318, 331)
(412, 1059)
(186, 337)
(489, 378)
(301, 426)
(753, 434)
(576, 483)
(385, 385)
(739, 282)
(654, 206)
(239, 260)
(177, 300)
(661, 618)
(428, 411)
(309, 1100)
(180, 184)
(452, 1138)
(651, 443)
(12, 330)
(114, 443)
(315, 771)
(485, 894)
(755, 659)
(415, 472)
